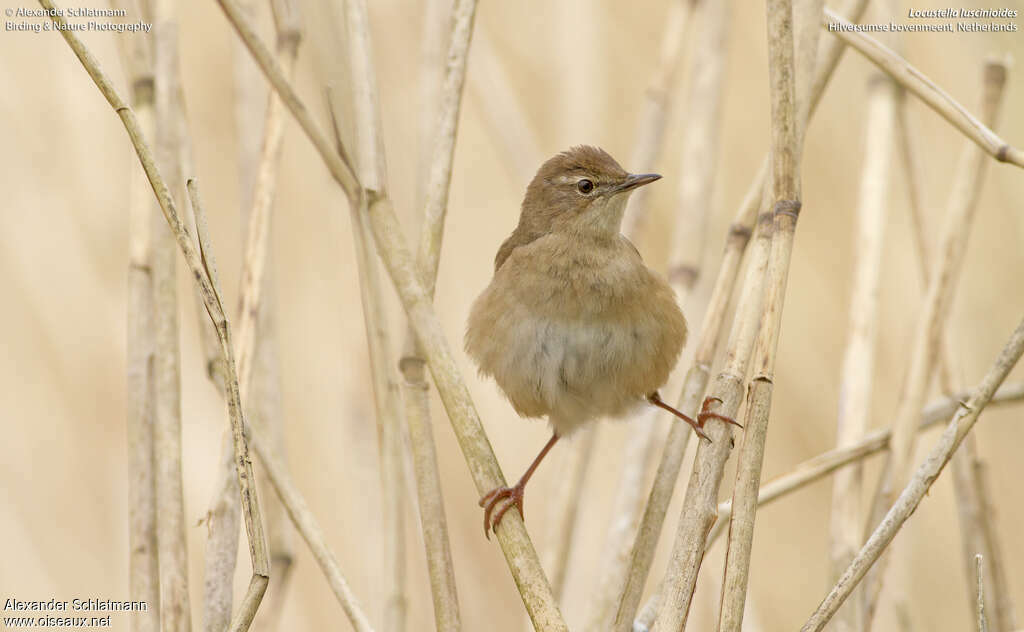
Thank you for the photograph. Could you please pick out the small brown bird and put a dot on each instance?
(574, 326)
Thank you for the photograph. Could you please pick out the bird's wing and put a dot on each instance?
(517, 239)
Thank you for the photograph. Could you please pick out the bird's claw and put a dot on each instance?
(698, 424)
(706, 414)
(490, 500)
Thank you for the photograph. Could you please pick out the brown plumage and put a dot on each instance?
(574, 326)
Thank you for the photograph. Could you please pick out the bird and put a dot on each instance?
(574, 326)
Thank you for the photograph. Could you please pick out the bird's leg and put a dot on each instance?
(514, 494)
(705, 414)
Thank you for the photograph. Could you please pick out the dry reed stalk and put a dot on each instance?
(700, 502)
(858, 369)
(822, 465)
(979, 573)
(209, 344)
(201, 267)
(414, 385)
(699, 507)
(658, 103)
(143, 569)
(969, 484)
(431, 501)
(963, 420)
(710, 340)
(214, 304)
(786, 206)
(433, 520)
(511, 533)
(925, 89)
(806, 35)
(428, 255)
(370, 162)
(433, 44)
(867, 445)
(924, 351)
(175, 610)
(502, 110)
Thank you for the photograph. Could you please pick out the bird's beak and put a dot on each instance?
(635, 180)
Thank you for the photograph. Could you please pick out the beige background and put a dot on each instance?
(580, 69)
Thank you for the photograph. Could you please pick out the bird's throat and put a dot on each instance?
(603, 217)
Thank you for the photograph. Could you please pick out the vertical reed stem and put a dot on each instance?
(415, 388)
(858, 368)
(175, 610)
(143, 565)
(785, 178)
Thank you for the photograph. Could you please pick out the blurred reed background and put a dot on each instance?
(577, 72)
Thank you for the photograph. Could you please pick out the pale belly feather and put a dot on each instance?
(573, 372)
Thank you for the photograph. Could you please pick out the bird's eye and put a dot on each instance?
(584, 186)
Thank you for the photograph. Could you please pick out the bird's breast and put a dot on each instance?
(576, 335)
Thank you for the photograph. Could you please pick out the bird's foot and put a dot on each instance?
(702, 417)
(513, 497)
(706, 414)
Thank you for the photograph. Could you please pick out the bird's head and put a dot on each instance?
(582, 189)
